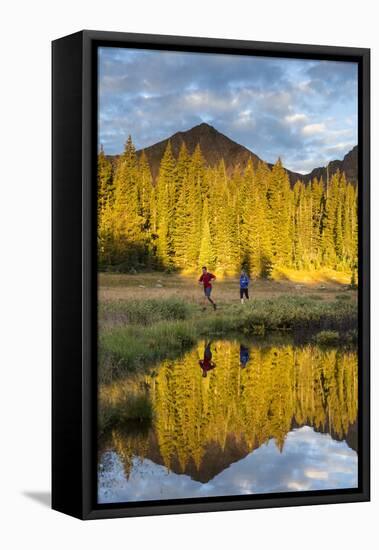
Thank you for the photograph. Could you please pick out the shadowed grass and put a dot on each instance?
(141, 332)
(144, 312)
(343, 297)
(132, 408)
(130, 349)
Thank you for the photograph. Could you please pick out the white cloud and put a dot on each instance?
(332, 135)
(338, 147)
(316, 474)
(295, 118)
(304, 86)
(210, 101)
(244, 118)
(311, 129)
(294, 109)
(296, 486)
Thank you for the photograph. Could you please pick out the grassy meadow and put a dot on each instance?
(145, 318)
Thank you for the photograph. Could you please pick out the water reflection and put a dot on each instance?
(206, 363)
(267, 419)
(244, 355)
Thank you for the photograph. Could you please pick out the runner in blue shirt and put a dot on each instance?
(244, 286)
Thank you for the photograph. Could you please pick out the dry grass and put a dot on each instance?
(225, 291)
(323, 276)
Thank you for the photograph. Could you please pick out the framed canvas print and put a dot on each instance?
(210, 274)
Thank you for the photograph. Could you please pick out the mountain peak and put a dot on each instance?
(216, 146)
(203, 125)
(199, 130)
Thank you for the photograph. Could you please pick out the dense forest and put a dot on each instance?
(281, 387)
(195, 215)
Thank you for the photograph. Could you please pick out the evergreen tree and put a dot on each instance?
(222, 212)
(206, 253)
(255, 231)
(196, 184)
(104, 181)
(195, 215)
(330, 222)
(182, 216)
(145, 191)
(104, 206)
(165, 195)
(280, 210)
(317, 208)
(127, 223)
(302, 226)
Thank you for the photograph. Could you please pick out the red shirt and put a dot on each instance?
(206, 279)
(206, 365)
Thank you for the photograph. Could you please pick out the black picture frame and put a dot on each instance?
(74, 293)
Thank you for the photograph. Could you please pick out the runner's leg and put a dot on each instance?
(205, 300)
(208, 294)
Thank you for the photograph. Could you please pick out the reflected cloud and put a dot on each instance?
(308, 461)
(266, 419)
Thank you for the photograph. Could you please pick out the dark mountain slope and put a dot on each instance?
(214, 146)
(349, 165)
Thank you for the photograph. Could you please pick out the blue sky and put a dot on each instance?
(304, 111)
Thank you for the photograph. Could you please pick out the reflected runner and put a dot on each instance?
(206, 363)
(244, 355)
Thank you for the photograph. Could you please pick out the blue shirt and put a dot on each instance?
(244, 355)
(244, 281)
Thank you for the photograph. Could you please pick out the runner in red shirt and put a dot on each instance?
(206, 280)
